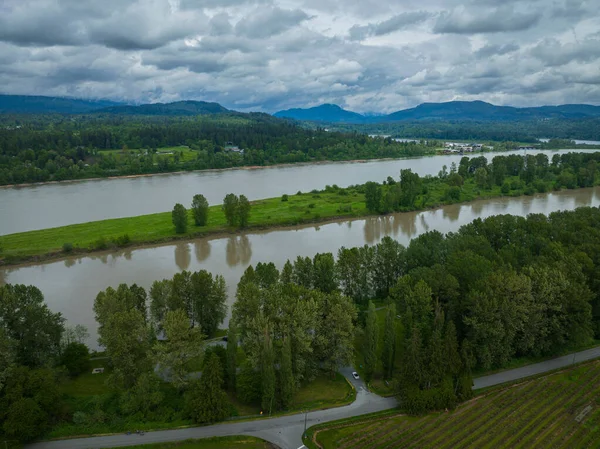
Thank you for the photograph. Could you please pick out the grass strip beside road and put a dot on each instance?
(241, 442)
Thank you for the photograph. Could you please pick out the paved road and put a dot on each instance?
(286, 431)
(537, 368)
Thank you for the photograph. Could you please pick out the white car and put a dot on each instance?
(355, 375)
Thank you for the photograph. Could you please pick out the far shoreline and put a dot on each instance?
(437, 152)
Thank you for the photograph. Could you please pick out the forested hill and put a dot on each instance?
(24, 104)
(331, 113)
(179, 108)
(453, 110)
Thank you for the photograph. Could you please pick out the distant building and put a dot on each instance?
(230, 147)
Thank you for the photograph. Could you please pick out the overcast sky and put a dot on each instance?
(365, 55)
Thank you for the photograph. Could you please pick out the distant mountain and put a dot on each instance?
(480, 110)
(330, 113)
(176, 108)
(25, 104)
(453, 110)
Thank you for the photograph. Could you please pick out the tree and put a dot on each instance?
(28, 323)
(371, 340)
(243, 211)
(267, 368)
(372, 196)
(230, 208)
(124, 333)
(179, 218)
(232, 347)
(200, 210)
(388, 355)
(248, 384)
(144, 397)
(335, 332)
(390, 257)
(286, 376)
(205, 401)
(481, 177)
(324, 273)
(76, 358)
(183, 343)
(25, 420)
(410, 185)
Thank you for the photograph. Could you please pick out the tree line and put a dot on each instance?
(422, 317)
(235, 208)
(40, 148)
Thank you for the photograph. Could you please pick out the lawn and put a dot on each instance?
(561, 410)
(88, 384)
(154, 228)
(241, 442)
(324, 392)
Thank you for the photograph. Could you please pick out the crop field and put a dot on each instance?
(561, 410)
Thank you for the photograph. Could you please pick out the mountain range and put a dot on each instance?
(326, 113)
(453, 110)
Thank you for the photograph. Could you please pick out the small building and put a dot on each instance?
(98, 371)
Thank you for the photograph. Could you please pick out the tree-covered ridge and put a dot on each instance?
(525, 130)
(51, 148)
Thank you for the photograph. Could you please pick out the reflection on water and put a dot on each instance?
(71, 285)
(183, 255)
(239, 250)
(202, 249)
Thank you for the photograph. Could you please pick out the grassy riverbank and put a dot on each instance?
(268, 213)
(241, 442)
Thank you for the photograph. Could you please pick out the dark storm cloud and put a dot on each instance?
(388, 26)
(497, 20)
(274, 54)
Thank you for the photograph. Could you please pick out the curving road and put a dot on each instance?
(286, 431)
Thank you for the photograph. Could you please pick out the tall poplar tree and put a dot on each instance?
(371, 340)
(388, 354)
(286, 376)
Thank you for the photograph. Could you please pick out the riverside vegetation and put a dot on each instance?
(498, 289)
(473, 178)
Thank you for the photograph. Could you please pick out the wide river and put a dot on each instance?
(70, 285)
(51, 205)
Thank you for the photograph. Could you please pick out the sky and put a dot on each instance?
(267, 55)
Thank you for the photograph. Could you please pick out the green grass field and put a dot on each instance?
(241, 442)
(561, 410)
(155, 228)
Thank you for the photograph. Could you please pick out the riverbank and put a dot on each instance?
(220, 170)
(302, 208)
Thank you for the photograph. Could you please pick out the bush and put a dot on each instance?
(314, 191)
(316, 196)
(505, 189)
(284, 198)
(298, 193)
(516, 185)
(343, 192)
(540, 186)
(529, 190)
(100, 244)
(453, 193)
(311, 205)
(67, 247)
(122, 240)
(345, 208)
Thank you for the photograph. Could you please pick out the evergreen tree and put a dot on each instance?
(267, 365)
(371, 340)
(232, 346)
(200, 210)
(287, 273)
(179, 218)
(206, 402)
(388, 355)
(286, 376)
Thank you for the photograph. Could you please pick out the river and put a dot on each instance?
(59, 204)
(70, 285)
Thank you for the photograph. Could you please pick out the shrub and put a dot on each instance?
(540, 186)
(284, 197)
(529, 190)
(67, 247)
(453, 193)
(100, 244)
(345, 208)
(516, 185)
(298, 193)
(311, 205)
(122, 240)
(314, 191)
(505, 189)
(343, 192)
(316, 196)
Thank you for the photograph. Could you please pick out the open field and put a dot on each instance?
(155, 228)
(211, 443)
(561, 410)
